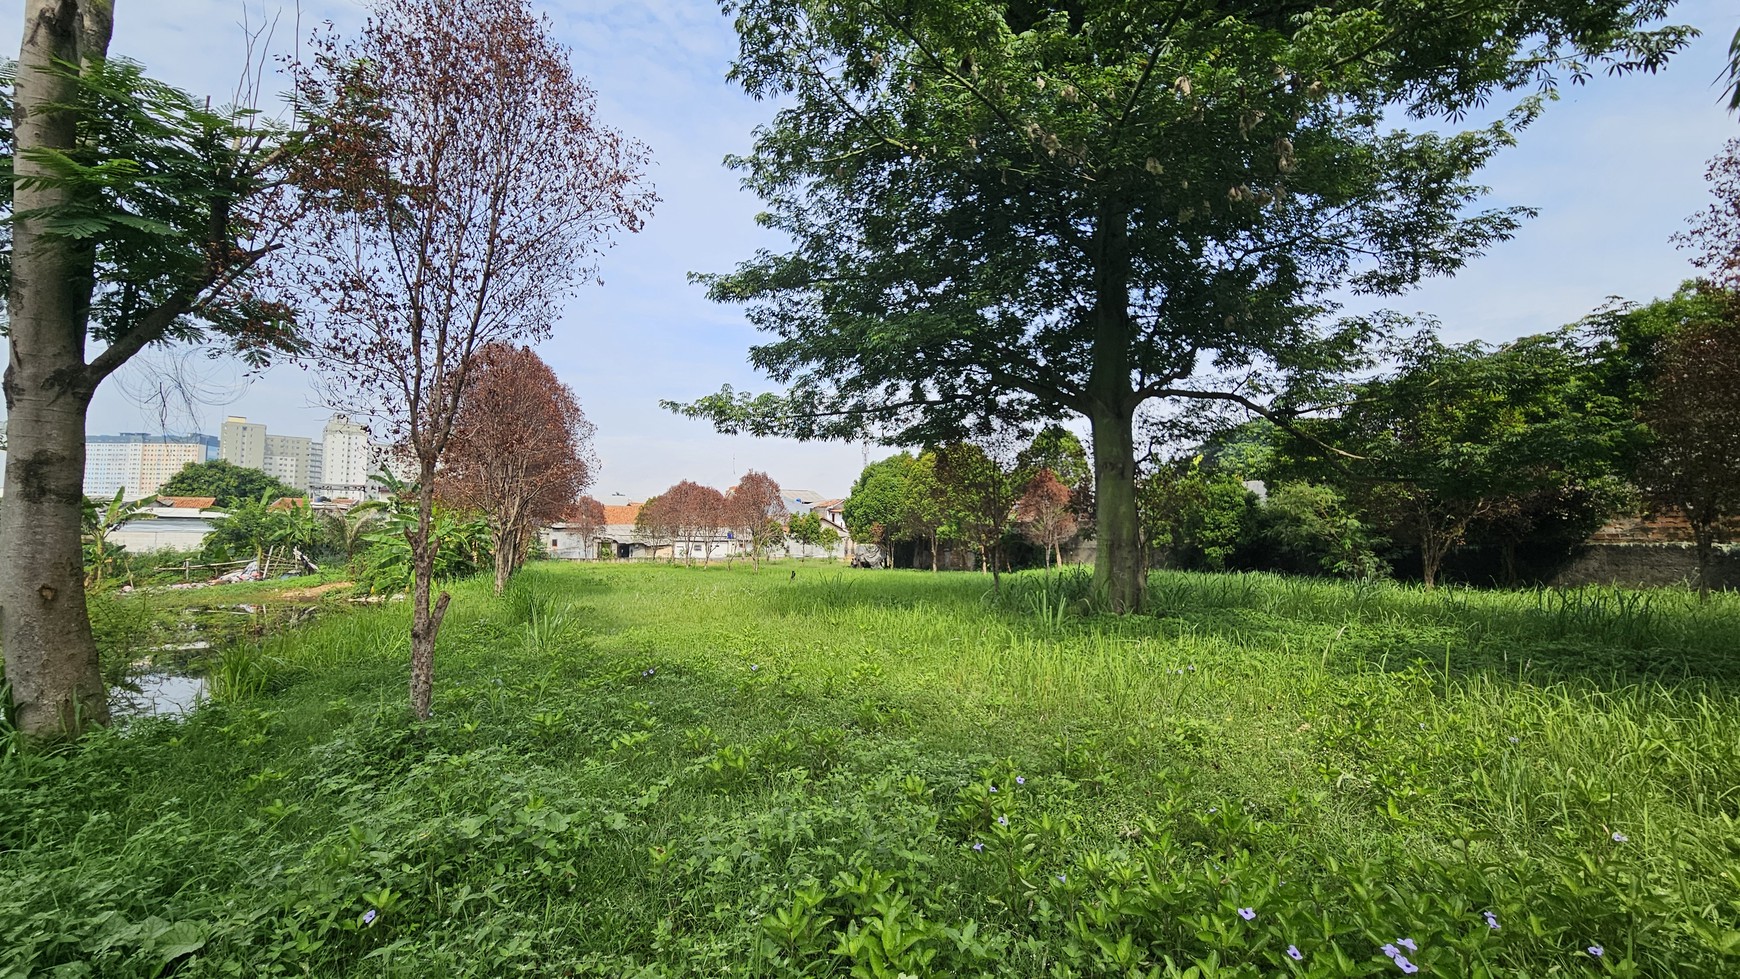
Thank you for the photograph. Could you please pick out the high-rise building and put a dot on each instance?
(287, 459)
(139, 464)
(242, 443)
(347, 459)
(293, 460)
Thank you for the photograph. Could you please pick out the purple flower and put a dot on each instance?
(1491, 920)
(978, 848)
(1621, 838)
(1020, 780)
(1063, 878)
(369, 916)
(1408, 943)
(993, 788)
(1002, 820)
(754, 666)
(1294, 953)
(1408, 968)
(1391, 951)
(1597, 951)
(1247, 913)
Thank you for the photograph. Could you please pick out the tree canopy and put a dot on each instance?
(229, 483)
(1003, 213)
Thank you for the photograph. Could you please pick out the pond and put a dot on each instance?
(167, 679)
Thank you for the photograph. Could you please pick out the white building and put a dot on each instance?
(348, 460)
(293, 460)
(138, 464)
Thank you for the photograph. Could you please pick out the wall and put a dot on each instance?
(1639, 565)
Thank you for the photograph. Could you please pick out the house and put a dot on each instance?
(176, 523)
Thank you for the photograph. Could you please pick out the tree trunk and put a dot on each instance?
(1507, 562)
(1704, 538)
(1119, 573)
(425, 620)
(933, 552)
(1431, 557)
(51, 658)
(505, 546)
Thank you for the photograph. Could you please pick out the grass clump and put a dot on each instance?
(658, 771)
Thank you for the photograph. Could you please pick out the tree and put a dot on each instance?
(654, 523)
(1045, 515)
(467, 186)
(979, 491)
(131, 224)
(585, 517)
(102, 519)
(755, 510)
(225, 482)
(806, 529)
(691, 513)
(1198, 515)
(873, 511)
(1311, 523)
(521, 450)
(1459, 435)
(1693, 464)
(1012, 211)
(1056, 448)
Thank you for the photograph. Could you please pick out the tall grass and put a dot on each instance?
(662, 771)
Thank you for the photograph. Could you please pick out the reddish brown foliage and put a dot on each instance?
(1694, 465)
(1045, 513)
(521, 449)
(1715, 232)
(687, 512)
(466, 188)
(755, 511)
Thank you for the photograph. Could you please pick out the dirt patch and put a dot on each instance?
(304, 594)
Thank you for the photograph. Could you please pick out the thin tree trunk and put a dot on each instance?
(1431, 557)
(51, 658)
(505, 546)
(425, 620)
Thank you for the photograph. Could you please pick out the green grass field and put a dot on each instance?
(661, 771)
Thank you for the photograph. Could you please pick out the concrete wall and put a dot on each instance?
(1639, 565)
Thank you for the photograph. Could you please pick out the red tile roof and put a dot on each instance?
(621, 514)
(186, 502)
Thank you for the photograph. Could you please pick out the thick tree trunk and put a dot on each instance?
(1119, 571)
(425, 620)
(51, 659)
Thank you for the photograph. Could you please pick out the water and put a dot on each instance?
(159, 695)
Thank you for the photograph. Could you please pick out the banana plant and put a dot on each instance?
(99, 521)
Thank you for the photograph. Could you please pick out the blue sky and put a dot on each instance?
(1614, 167)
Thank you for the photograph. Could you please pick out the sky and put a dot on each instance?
(1615, 168)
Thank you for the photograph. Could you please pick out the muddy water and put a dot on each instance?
(168, 679)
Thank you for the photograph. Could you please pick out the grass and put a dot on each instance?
(656, 771)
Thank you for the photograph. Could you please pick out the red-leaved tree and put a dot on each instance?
(1046, 514)
(466, 188)
(756, 512)
(585, 519)
(693, 514)
(521, 450)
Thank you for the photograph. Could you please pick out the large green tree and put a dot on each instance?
(1022, 210)
(1460, 435)
(127, 203)
(228, 483)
